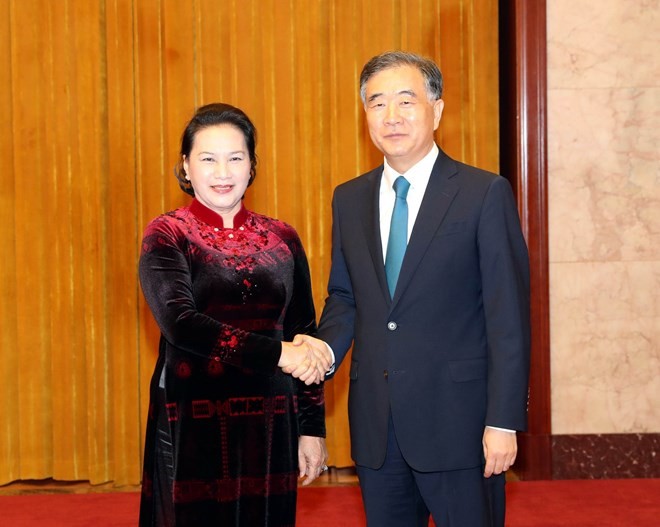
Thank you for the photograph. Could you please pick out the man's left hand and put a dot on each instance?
(500, 450)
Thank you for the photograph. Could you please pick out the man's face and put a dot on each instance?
(400, 116)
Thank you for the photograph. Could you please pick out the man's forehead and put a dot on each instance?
(395, 79)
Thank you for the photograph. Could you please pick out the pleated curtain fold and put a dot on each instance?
(95, 96)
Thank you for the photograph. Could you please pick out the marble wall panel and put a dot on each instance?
(605, 347)
(604, 215)
(604, 175)
(609, 43)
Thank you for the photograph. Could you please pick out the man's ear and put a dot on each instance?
(438, 106)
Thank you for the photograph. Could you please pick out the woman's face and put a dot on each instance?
(218, 169)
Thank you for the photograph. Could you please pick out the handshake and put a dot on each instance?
(306, 358)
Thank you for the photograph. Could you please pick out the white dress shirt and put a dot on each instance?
(418, 176)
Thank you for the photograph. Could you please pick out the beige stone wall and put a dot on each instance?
(604, 215)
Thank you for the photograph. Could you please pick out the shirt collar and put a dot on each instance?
(417, 174)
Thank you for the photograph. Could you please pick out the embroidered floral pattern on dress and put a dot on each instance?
(237, 248)
(228, 347)
(237, 245)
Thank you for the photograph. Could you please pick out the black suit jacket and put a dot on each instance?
(449, 353)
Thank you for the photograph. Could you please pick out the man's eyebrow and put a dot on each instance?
(374, 96)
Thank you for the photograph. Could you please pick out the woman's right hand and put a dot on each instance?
(300, 361)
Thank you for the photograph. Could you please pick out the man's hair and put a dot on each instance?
(395, 59)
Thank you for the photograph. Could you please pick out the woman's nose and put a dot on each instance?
(220, 171)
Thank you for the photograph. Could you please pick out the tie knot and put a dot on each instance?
(401, 186)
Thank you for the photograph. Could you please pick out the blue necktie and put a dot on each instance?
(398, 239)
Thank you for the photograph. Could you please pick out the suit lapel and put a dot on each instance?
(371, 226)
(439, 194)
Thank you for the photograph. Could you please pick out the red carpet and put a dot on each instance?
(589, 503)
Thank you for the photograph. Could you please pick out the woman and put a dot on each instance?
(228, 431)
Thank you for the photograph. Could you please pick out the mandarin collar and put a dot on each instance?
(214, 219)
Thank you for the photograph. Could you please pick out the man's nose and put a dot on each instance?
(392, 115)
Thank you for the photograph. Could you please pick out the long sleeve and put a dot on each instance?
(165, 270)
(338, 317)
(505, 281)
(300, 316)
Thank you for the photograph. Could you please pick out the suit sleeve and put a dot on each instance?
(336, 326)
(504, 266)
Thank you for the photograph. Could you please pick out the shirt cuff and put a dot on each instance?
(495, 427)
(332, 368)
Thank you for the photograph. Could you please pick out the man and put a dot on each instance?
(430, 283)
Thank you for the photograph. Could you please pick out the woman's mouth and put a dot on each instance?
(222, 189)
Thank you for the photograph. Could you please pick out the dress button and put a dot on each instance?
(391, 326)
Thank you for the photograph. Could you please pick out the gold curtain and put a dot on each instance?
(95, 95)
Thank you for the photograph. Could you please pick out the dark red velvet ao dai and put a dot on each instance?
(222, 435)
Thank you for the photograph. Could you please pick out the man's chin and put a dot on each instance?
(395, 151)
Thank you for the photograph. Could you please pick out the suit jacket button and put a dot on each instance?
(385, 374)
(391, 326)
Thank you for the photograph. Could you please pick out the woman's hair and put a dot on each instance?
(215, 114)
(394, 59)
